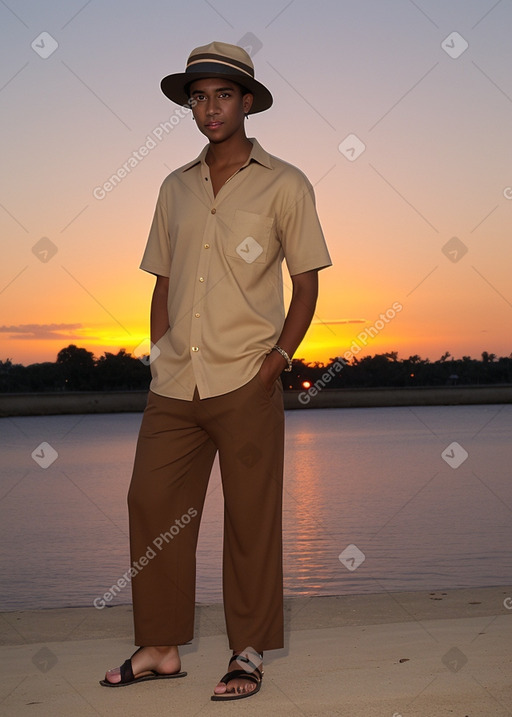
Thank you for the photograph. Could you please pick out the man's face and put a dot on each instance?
(219, 107)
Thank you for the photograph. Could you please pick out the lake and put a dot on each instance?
(376, 499)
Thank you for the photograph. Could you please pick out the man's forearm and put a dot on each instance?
(300, 312)
(159, 313)
(298, 318)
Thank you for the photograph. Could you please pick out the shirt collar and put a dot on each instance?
(258, 154)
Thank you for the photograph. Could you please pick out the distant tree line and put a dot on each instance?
(387, 370)
(76, 369)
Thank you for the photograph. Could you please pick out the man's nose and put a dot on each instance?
(212, 106)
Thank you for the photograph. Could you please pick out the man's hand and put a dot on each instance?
(271, 369)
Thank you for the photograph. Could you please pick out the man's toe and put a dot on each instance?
(113, 675)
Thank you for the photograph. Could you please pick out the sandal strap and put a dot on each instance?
(127, 672)
(242, 658)
(236, 674)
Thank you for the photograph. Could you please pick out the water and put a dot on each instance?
(373, 478)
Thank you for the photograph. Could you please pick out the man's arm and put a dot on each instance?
(159, 313)
(298, 319)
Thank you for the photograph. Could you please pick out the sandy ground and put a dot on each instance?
(388, 655)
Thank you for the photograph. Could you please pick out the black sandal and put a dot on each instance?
(255, 677)
(128, 678)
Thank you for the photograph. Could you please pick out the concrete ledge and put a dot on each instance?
(47, 404)
(386, 397)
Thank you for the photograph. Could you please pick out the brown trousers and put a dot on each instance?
(177, 444)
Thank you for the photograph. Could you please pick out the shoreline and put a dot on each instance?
(301, 613)
(47, 404)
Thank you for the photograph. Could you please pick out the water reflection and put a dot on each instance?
(370, 477)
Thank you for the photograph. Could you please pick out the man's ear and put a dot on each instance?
(247, 101)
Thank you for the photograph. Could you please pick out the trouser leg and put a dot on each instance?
(247, 426)
(172, 466)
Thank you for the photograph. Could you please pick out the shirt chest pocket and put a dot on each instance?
(249, 237)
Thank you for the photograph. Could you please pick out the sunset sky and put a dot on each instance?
(421, 218)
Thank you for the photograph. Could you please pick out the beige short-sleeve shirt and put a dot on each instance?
(223, 257)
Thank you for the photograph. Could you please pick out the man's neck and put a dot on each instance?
(234, 151)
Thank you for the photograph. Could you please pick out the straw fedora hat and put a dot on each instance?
(217, 59)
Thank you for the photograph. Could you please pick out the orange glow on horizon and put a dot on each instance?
(310, 351)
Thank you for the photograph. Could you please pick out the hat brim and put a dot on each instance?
(174, 87)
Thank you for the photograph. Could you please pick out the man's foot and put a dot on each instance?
(147, 663)
(243, 680)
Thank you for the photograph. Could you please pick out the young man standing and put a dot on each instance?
(222, 227)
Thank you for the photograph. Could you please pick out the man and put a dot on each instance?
(222, 226)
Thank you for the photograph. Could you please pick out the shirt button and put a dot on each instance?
(195, 348)
(206, 246)
(197, 315)
(201, 278)
(214, 210)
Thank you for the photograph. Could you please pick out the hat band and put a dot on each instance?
(218, 65)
